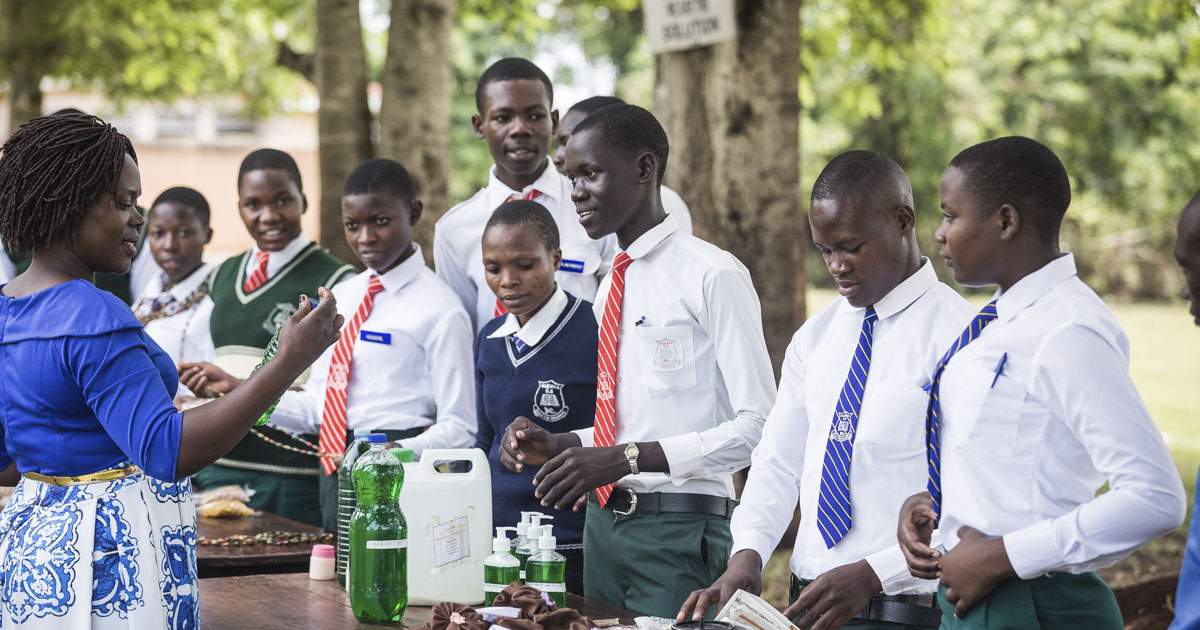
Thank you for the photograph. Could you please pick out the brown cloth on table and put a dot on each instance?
(536, 613)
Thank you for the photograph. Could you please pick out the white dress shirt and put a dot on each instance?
(458, 244)
(675, 206)
(693, 372)
(411, 365)
(532, 332)
(1037, 413)
(184, 336)
(277, 260)
(917, 321)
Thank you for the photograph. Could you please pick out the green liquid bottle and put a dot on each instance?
(378, 572)
(268, 354)
(528, 546)
(547, 569)
(499, 569)
(346, 501)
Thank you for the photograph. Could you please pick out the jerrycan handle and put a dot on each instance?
(478, 459)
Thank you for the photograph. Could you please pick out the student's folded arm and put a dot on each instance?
(448, 265)
(448, 361)
(1084, 380)
(125, 391)
(773, 486)
(732, 318)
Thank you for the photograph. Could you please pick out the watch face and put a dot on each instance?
(631, 450)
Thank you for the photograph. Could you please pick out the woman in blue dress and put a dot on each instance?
(100, 531)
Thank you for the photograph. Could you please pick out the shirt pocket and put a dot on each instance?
(578, 260)
(667, 357)
(992, 430)
(894, 418)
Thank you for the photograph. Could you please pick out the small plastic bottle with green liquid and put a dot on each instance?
(547, 569)
(501, 568)
(378, 571)
(528, 546)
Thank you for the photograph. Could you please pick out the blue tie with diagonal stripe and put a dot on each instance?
(833, 504)
(933, 415)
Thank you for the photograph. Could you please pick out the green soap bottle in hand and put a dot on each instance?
(268, 354)
(346, 501)
(378, 572)
(547, 569)
(501, 568)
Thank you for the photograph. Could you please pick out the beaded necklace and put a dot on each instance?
(315, 452)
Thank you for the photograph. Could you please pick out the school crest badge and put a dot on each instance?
(339, 376)
(604, 388)
(277, 316)
(666, 354)
(842, 431)
(548, 403)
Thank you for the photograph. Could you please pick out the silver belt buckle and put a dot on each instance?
(632, 503)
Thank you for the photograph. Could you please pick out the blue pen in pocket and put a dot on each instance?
(999, 368)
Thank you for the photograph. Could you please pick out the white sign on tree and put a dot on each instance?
(673, 25)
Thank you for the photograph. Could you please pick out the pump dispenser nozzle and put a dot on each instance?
(501, 541)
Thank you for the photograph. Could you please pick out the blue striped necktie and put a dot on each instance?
(833, 504)
(521, 346)
(933, 415)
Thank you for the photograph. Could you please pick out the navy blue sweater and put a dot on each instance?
(552, 384)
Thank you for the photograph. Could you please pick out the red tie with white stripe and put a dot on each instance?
(606, 384)
(259, 275)
(333, 419)
(529, 196)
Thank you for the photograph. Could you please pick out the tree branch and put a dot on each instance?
(298, 62)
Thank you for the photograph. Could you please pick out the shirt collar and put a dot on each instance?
(285, 255)
(399, 276)
(548, 183)
(653, 237)
(903, 294)
(1028, 289)
(538, 325)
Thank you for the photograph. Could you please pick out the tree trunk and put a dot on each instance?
(732, 113)
(343, 119)
(29, 33)
(414, 118)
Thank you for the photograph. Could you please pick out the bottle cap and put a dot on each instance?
(523, 526)
(362, 434)
(323, 551)
(547, 541)
(405, 455)
(501, 541)
(378, 438)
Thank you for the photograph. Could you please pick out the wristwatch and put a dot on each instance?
(631, 454)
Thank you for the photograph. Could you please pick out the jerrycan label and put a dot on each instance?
(451, 542)
(387, 544)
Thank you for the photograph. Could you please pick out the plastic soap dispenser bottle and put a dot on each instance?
(528, 546)
(547, 569)
(501, 568)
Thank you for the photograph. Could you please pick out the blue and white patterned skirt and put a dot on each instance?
(110, 554)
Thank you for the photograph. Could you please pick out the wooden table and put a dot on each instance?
(292, 601)
(251, 558)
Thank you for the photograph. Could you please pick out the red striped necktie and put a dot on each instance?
(333, 419)
(529, 196)
(259, 275)
(606, 385)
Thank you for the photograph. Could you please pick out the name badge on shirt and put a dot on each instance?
(376, 337)
(571, 266)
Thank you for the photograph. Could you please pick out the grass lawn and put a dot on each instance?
(1165, 364)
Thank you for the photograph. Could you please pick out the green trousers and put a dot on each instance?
(1060, 601)
(290, 496)
(650, 563)
(328, 484)
(857, 624)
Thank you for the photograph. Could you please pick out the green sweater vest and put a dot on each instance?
(242, 325)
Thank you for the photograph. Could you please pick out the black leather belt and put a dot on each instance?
(625, 502)
(914, 610)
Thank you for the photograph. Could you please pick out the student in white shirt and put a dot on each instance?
(517, 120)
(411, 370)
(673, 204)
(1036, 412)
(691, 388)
(175, 306)
(863, 223)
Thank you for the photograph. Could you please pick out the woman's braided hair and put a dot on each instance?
(51, 171)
